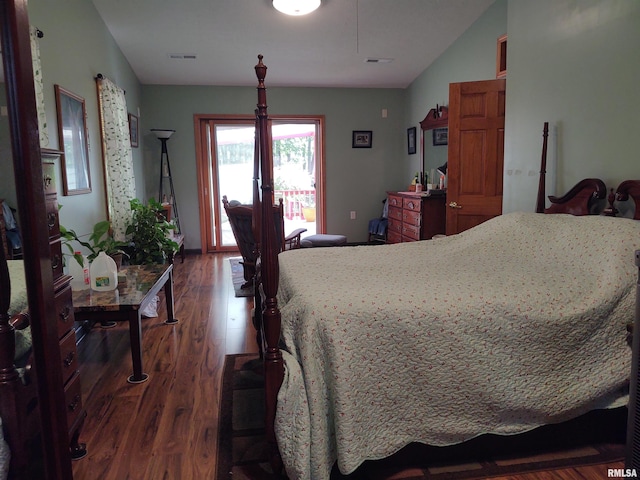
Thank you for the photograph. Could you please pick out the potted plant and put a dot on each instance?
(308, 202)
(99, 241)
(148, 232)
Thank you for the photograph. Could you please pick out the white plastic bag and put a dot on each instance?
(151, 310)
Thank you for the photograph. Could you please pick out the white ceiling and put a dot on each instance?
(327, 48)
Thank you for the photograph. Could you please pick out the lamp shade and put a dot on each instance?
(162, 133)
(442, 170)
(296, 7)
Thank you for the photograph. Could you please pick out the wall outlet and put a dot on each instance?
(353, 214)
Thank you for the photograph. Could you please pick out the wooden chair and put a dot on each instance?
(240, 217)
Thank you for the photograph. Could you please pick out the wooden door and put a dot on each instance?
(476, 153)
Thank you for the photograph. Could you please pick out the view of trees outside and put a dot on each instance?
(293, 165)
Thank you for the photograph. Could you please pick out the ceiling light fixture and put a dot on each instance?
(296, 7)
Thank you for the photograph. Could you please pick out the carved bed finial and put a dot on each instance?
(261, 71)
(611, 210)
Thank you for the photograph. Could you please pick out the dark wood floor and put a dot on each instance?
(167, 428)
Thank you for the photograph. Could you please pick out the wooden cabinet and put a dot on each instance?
(64, 310)
(414, 216)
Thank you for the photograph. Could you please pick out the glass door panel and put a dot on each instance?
(234, 146)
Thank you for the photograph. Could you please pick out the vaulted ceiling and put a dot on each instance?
(216, 42)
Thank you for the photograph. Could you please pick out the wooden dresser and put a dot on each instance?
(64, 309)
(414, 216)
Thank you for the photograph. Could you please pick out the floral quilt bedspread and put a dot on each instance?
(516, 323)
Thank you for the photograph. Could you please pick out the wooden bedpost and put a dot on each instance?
(269, 271)
(543, 171)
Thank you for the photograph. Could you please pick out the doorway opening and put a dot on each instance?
(225, 156)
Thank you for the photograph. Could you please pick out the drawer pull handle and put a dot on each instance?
(64, 314)
(55, 261)
(454, 205)
(51, 220)
(411, 205)
(69, 360)
(73, 405)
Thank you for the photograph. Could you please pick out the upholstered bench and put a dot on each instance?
(323, 240)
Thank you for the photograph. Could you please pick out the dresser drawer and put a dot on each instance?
(73, 400)
(394, 237)
(412, 218)
(49, 178)
(395, 201)
(410, 233)
(394, 225)
(64, 311)
(69, 356)
(413, 204)
(53, 220)
(395, 213)
(56, 258)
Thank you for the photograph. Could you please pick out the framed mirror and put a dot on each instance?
(72, 135)
(51, 453)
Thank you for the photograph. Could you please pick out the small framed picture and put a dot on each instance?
(411, 140)
(133, 130)
(361, 139)
(441, 136)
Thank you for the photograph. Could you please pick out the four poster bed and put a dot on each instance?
(516, 323)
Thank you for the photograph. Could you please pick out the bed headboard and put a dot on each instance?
(629, 188)
(582, 198)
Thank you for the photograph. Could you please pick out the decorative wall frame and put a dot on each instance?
(361, 139)
(501, 57)
(133, 130)
(411, 140)
(441, 136)
(73, 141)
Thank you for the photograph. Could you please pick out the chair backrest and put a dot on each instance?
(241, 221)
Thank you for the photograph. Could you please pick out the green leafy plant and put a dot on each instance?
(99, 240)
(148, 232)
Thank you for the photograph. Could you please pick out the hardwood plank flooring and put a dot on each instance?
(167, 427)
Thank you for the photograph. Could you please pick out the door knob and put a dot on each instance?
(455, 205)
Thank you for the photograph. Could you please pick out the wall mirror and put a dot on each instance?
(25, 190)
(437, 120)
(72, 137)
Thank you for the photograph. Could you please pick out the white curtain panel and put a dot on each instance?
(118, 160)
(37, 81)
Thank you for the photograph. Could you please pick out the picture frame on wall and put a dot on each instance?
(361, 139)
(441, 136)
(411, 140)
(73, 141)
(133, 130)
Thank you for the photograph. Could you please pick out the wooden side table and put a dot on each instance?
(126, 303)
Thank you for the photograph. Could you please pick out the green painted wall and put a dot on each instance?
(576, 65)
(76, 47)
(471, 57)
(357, 179)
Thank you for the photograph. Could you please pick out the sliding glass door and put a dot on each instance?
(225, 167)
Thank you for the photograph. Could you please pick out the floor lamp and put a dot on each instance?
(165, 175)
